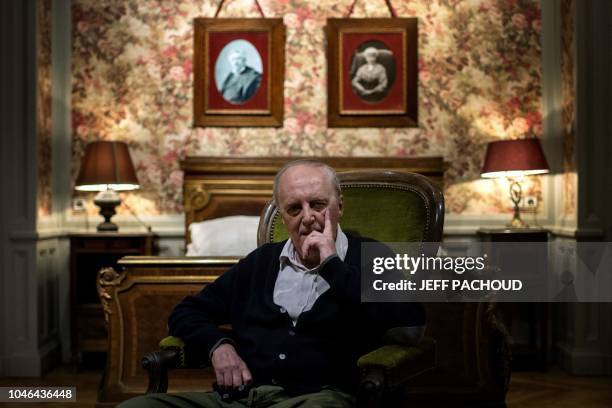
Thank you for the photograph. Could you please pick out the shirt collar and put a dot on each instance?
(290, 256)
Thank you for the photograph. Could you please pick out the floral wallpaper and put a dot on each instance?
(480, 79)
(568, 96)
(43, 108)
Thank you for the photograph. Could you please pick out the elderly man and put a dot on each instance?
(242, 83)
(298, 322)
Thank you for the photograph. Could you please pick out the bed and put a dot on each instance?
(138, 298)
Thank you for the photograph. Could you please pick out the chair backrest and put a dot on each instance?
(384, 205)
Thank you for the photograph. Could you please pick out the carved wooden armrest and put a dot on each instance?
(157, 363)
(171, 355)
(387, 368)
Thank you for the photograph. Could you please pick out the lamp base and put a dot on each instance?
(107, 201)
(517, 222)
(516, 194)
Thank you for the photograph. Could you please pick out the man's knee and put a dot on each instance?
(179, 400)
(144, 401)
(329, 399)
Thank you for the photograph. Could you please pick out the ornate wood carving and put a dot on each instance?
(371, 388)
(157, 363)
(196, 197)
(107, 277)
(137, 303)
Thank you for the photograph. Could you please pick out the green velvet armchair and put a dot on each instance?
(384, 205)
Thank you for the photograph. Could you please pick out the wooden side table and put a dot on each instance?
(513, 234)
(90, 252)
(532, 355)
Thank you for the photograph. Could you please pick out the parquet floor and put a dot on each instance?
(559, 390)
(527, 389)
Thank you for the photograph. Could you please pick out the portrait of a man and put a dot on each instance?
(372, 71)
(238, 72)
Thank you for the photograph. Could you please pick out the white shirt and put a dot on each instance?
(297, 288)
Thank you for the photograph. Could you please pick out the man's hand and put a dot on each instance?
(230, 369)
(321, 242)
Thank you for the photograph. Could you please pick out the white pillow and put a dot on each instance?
(235, 236)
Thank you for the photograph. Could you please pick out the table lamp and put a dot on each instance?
(514, 159)
(107, 167)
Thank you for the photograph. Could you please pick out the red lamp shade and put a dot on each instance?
(107, 165)
(512, 158)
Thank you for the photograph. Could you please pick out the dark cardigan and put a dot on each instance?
(322, 349)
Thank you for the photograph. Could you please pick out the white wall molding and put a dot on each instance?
(33, 268)
(172, 225)
(19, 350)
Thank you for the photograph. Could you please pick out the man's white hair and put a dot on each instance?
(331, 173)
(237, 52)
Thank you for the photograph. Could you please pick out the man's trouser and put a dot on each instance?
(265, 396)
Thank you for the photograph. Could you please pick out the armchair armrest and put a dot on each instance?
(171, 355)
(382, 369)
(157, 363)
(390, 366)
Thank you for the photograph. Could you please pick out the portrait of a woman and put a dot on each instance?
(372, 71)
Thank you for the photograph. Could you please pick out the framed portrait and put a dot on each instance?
(238, 72)
(372, 72)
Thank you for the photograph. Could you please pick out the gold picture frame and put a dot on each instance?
(372, 72)
(238, 72)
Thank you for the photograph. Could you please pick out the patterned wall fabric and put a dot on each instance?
(480, 78)
(43, 107)
(568, 96)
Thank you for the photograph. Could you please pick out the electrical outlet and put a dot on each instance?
(531, 202)
(78, 205)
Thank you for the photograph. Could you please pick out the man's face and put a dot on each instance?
(304, 193)
(237, 63)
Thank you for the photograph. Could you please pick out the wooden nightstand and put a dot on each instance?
(513, 234)
(533, 353)
(89, 252)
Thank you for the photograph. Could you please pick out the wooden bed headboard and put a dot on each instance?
(222, 186)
